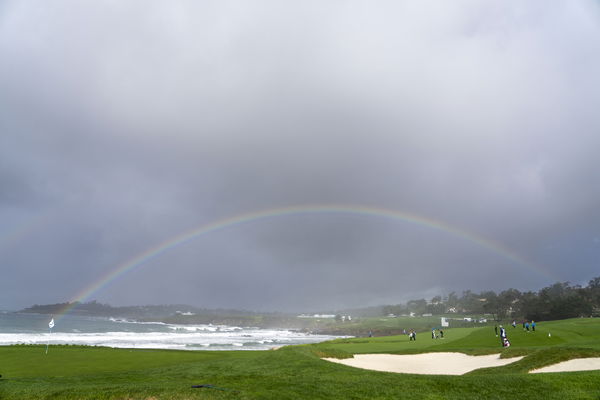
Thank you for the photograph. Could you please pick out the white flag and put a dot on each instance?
(51, 324)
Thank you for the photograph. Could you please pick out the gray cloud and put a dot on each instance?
(127, 124)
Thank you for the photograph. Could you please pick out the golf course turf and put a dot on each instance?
(298, 372)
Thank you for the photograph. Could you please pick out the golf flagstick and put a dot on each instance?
(50, 325)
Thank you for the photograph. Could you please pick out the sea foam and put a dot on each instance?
(146, 335)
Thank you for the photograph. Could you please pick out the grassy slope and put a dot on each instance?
(572, 332)
(297, 372)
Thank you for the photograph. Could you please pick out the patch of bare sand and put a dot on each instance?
(426, 363)
(577, 364)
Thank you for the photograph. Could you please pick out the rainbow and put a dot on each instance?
(18, 233)
(187, 236)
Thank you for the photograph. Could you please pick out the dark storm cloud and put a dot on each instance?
(125, 124)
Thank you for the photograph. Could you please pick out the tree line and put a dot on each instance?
(558, 301)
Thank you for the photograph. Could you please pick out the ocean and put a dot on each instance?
(23, 328)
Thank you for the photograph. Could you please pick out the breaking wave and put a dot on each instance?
(144, 335)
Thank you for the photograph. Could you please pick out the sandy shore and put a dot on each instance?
(577, 364)
(427, 363)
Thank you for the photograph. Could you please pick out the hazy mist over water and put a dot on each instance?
(124, 125)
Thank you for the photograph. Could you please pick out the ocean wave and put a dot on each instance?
(190, 340)
(132, 321)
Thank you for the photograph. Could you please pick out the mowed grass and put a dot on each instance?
(297, 372)
(482, 340)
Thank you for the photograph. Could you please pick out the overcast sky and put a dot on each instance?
(126, 123)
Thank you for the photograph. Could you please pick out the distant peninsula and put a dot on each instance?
(183, 315)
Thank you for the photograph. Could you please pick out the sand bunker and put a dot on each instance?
(577, 364)
(427, 363)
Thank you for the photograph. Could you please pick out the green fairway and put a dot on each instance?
(297, 372)
(575, 332)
